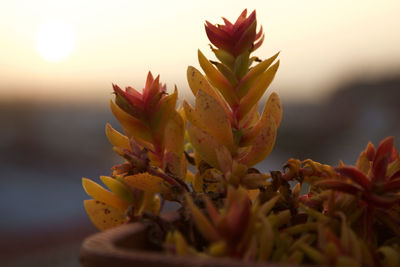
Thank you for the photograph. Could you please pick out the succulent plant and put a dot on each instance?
(203, 157)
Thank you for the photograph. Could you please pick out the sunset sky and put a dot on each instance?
(322, 43)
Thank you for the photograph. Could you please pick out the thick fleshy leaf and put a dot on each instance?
(175, 163)
(218, 37)
(225, 57)
(242, 65)
(212, 118)
(132, 126)
(254, 180)
(99, 193)
(238, 217)
(252, 76)
(118, 188)
(130, 101)
(197, 82)
(224, 159)
(391, 257)
(267, 206)
(218, 80)
(339, 186)
(355, 175)
(211, 210)
(228, 73)
(370, 151)
(250, 119)
(381, 201)
(257, 90)
(156, 205)
(202, 223)
(116, 138)
(204, 144)
(163, 112)
(363, 164)
(262, 145)
(273, 108)
(392, 185)
(102, 215)
(266, 239)
(174, 138)
(382, 157)
(259, 42)
(312, 253)
(147, 202)
(393, 169)
(242, 24)
(148, 183)
(246, 41)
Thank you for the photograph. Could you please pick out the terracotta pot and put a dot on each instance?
(127, 245)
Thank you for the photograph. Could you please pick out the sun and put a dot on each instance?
(55, 40)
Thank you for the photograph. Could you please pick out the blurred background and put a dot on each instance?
(339, 81)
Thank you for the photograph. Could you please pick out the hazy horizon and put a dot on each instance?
(322, 44)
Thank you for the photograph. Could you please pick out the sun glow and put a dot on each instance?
(55, 40)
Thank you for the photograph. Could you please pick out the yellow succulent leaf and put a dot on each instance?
(99, 193)
(225, 57)
(218, 249)
(148, 183)
(272, 108)
(175, 164)
(253, 193)
(162, 116)
(132, 126)
(212, 118)
(251, 118)
(156, 205)
(174, 138)
(355, 246)
(181, 246)
(116, 138)
(218, 125)
(254, 180)
(197, 183)
(197, 82)
(266, 239)
(312, 253)
(224, 159)
(204, 144)
(102, 215)
(218, 80)
(363, 163)
(202, 223)
(147, 203)
(254, 73)
(262, 145)
(267, 206)
(391, 257)
(393, 167)
(118, 188)
(345, 261)
(257, 90)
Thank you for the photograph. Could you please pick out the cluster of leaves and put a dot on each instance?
(202, 157)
